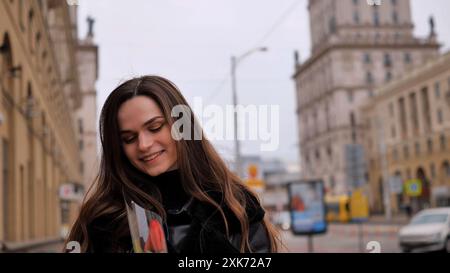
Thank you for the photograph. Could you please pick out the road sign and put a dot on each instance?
(395, 184)
(355, 165)
(413, 188)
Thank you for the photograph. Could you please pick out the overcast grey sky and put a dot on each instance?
(191, 41)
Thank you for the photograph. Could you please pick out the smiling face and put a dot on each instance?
(146, 138)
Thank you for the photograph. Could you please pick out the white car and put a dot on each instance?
(429, 230)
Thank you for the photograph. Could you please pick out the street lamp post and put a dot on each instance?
(234, 63)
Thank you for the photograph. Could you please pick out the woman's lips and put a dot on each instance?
(152, 158)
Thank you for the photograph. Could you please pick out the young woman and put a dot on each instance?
(205, 207)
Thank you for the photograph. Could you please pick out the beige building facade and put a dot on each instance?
(39, 136)
(408, 136)
(355, 49)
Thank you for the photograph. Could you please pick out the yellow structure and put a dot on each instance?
(359, 206)
(39, 98)
(253, 181)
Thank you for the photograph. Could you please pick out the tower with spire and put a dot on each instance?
(356, 48)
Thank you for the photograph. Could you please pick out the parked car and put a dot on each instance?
(429, 230)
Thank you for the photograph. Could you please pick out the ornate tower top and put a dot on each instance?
(345, 20)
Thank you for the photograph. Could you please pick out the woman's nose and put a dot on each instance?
(145, 141)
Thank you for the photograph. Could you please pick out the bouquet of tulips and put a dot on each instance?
(146, 230)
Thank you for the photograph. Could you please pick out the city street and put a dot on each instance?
(340, 238)
(344, 238)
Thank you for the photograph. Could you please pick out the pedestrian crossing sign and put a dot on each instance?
(413, 188)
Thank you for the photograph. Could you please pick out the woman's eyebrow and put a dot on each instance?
(148, 122)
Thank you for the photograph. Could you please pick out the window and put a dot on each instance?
(350, 96)
(387, 60)
(395, 154)
(22, 25)
(353, 124)
(388, 76)
(395, 17)
(81, 144)
(440, 116)
(433, 170)
(356, 17)
(393, 133)
(80, 126)
(406, 151)
(30, 30)
(446, 167)
(437, 90)
(377, 36)
(352, 119)
(443, 141)
(430, 146)
(369, 78)
(394, 2)
(391, 109)
(417, 148)
(332, 25)
(329, 151)
(367, 58)
(332, 182)
(407, 58)
(402, 117)
(376, 18)
(29, 108)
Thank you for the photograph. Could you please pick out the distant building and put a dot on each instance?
(408, 136)
(355, 49)
(87, 59)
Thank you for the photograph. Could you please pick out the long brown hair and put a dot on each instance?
(201, 168)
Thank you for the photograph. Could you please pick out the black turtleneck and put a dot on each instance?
(173, 196)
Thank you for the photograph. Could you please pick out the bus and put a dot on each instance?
(344, 208)
(337, 208)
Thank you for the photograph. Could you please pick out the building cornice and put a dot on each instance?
(414, 44)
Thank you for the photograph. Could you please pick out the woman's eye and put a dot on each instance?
(155, 128)
(128, 140)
